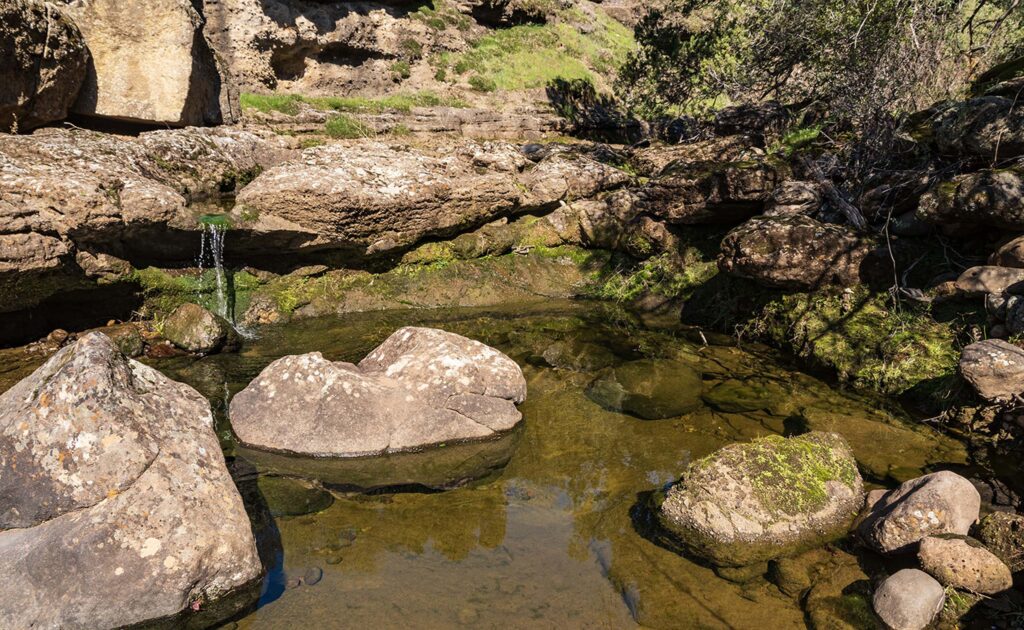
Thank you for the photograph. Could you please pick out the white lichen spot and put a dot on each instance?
(119, 571)
(149, 547)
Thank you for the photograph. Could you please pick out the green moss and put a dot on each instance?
(266, 103)
(663, 275)
(401, 69)
(482, 84)
(861, 338)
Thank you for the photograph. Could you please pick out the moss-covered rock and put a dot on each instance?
(747, 503)
(191, 327)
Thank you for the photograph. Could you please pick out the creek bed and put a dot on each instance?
(557, 533)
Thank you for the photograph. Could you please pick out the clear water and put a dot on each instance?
(559, 536)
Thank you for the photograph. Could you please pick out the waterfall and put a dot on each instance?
(212, 246)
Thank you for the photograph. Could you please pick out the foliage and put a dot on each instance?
(401, 102)
(533, 55)
(865, 59)
(342, 126)
(401, 69)
(482, 84)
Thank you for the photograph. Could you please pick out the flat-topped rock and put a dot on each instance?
(116, 507)
(372, 198)
(422, 387)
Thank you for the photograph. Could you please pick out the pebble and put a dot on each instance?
(312, 576)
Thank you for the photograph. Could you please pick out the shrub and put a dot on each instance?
(482, 84)
(342, 126)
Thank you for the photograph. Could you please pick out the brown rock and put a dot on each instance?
(1010, 254)
(964, 563)
(1003, 534)
(44, 64)
(994, 368)
(982, 280)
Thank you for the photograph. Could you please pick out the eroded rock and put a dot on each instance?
(422, 387)
(116, 507)
(775, 496)
(964, 563)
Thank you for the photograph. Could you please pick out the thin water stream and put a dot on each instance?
(554, 532)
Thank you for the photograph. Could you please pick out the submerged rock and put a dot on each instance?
(939, 503)
(908, 600)
(191, 327)
(652, 389)
(116, 502)
(1003, 535)
(44, 64)
(994, 368)
(796, 253)
(422, 387)
(747, 503)
(964, 563)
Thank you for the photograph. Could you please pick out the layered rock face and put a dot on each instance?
(116, 507)
(422, 387)
(747, 503)
(44, 64)
(372, 198)
(75, 204)
(151, 64)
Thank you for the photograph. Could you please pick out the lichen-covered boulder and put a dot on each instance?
(652, 389)
(938, 503)
(1003, 535)
(964, 563)
(421, 387)
(44, 64)
(775, 496)
(994, 368)
(908, 600)
(986, 128)
(191, 327)
(116, 507)
(795, 253)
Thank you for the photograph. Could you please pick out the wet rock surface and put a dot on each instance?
(774, 496)
(44, 64)
(422, 387)
(649, 389)
(908, 600)
(191, 327)
(116, 507)
(938, 503)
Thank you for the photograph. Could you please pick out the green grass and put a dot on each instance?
(531, 56)
(343, 126)
(402, 102)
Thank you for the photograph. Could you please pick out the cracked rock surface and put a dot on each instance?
(421, 387)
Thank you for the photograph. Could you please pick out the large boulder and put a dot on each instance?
(987, 197)
(985, 279)
(116, 507)
(964, 563)
(775, 496)
(987, 129)
(421, 387)
(794, 253)
(374, 198)
(44, 64)
(1003, 535)
(994, 368)
(151, 64)
(938, 503)
(191, 327)
(908, 600)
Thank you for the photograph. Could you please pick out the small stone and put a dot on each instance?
(293, 583)
(964, 563)
(334, 560)
(652, 389)
(908, 600)
(312, 576)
